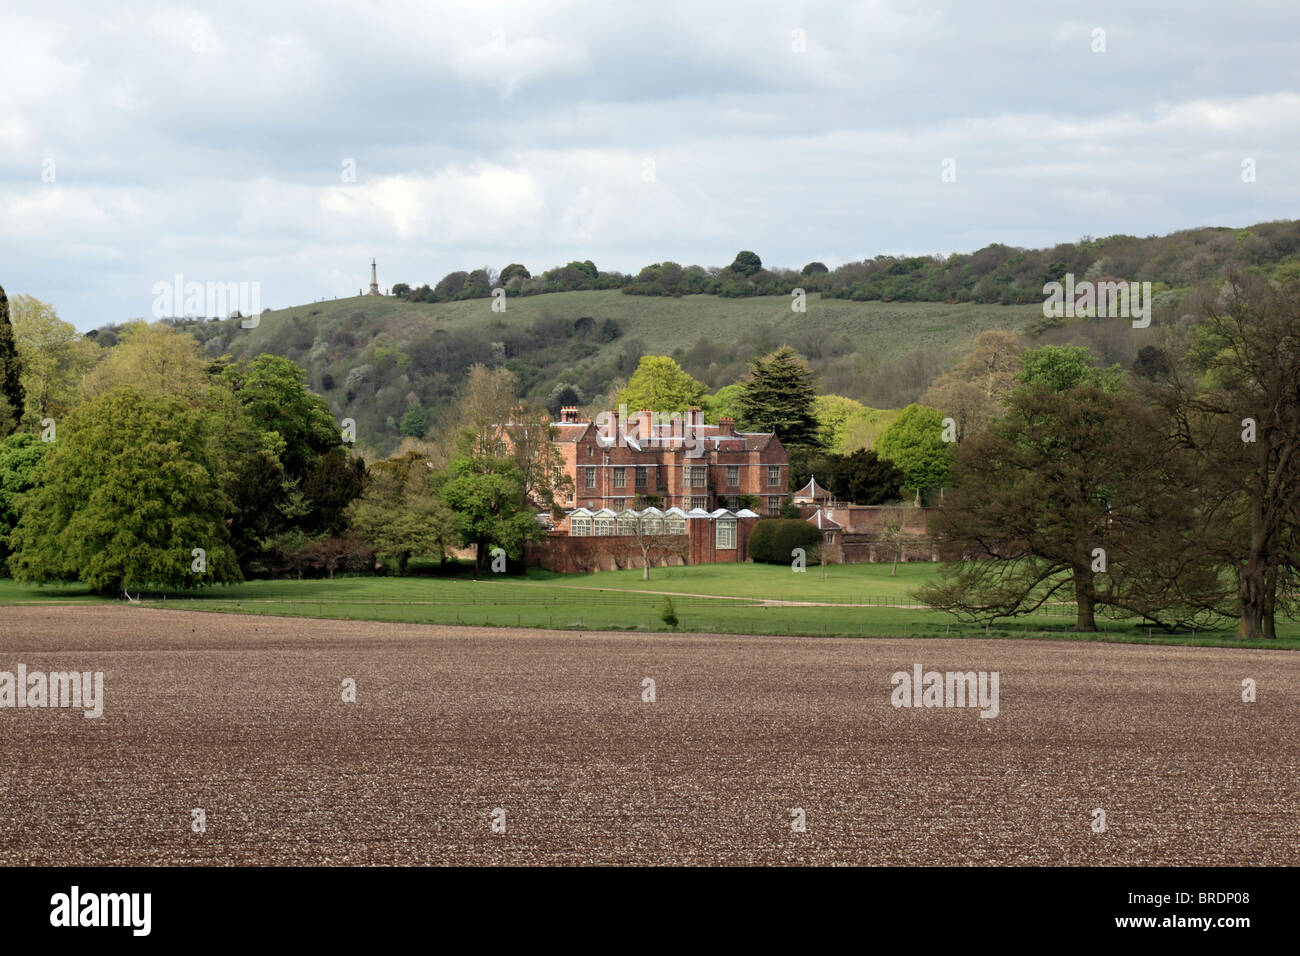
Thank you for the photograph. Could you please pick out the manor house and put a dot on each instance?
(675, 461)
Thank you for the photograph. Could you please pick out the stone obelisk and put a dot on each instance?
(374, 282)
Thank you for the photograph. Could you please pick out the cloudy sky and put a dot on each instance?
(142, 140)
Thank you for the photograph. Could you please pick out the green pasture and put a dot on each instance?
(862, 600)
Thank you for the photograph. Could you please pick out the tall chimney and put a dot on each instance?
(644, 419)
(727, 427)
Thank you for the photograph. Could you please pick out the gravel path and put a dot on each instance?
(242, 716)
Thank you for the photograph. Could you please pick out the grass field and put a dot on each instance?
(859, 600)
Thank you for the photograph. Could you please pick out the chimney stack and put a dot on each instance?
(569, 413)
(727, 427)
(644, 420)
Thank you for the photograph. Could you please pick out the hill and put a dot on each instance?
(375, 358)
(878, 331)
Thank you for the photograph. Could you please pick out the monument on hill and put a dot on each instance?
(374, 282)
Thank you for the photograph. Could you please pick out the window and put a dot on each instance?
(604, 526)
(620, 477)
(640, 477)
(697, 475)
(652, 524)
(733, 476)
(580, 527)
(698, 503)
(774, 504)
(591, 450)
(675, 525)
(726, 534)
(626, 523)
(830, 537)
(591, 477)
(774, 475)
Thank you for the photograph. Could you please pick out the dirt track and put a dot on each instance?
(242, 716)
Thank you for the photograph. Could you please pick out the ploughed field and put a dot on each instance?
(242, 717)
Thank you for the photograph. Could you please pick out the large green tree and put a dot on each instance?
(914, 442)
(660, 385)
(400, 513)
(22, 456)
(490, 509)
(778, 396)
(127, 497)
(273, 394)
(864, 478)
(1235, 402)
(53, 355)
(976, 389)
(1072, 493)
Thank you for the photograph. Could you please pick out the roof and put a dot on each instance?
(661, 437)
(812, 491)
(824, 521)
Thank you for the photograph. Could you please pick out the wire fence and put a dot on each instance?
(576, 597)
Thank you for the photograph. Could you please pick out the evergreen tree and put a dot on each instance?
(779, 397)
(11, 386)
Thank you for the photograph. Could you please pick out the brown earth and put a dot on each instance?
(242, 717)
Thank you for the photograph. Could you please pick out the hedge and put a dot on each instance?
(773, 539)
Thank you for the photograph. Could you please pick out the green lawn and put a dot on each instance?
(617, 600)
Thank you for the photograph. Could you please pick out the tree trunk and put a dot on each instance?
(1270, 604)
(1253, 600)
(480, 557)
(1085, 600)
(1258, 581)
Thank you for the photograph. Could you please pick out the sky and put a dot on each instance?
(287, 143)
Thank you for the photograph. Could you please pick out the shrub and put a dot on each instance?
(774, 538)
(669, 614)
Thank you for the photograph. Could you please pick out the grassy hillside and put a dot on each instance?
(374, 358)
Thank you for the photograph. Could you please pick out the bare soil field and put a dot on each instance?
(244, 718)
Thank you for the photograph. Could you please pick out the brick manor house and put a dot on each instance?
(692, 477)
(680, 460)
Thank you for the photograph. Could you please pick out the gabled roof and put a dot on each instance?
(824, 522)
(569, 431)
